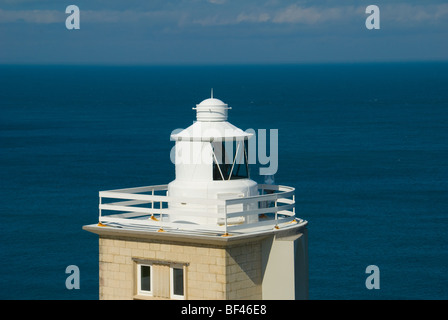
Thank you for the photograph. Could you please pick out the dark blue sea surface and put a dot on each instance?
(365, 146)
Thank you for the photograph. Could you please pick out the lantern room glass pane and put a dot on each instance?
(230, 160)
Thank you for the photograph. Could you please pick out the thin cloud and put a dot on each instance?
(91, 16)
(290, 15)
(406, 13)
(32, 16)
(217, 1)
(397, 14)
(253, 17)
(312, 15)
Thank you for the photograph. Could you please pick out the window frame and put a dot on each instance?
(230, 171)
(139, 279)
(172, 295)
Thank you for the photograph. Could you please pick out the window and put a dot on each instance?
(230, 160)
(144, 279)
(177, 282)
(159, 280)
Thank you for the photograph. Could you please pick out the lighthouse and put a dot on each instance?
(211, 233)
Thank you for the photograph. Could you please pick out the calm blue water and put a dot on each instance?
(365, 146)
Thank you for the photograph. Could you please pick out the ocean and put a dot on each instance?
(365, 146)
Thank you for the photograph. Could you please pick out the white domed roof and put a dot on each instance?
(211, 109)
(212, 102)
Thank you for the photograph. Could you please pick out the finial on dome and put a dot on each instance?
(212, 94)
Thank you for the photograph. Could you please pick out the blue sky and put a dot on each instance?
(221, 32)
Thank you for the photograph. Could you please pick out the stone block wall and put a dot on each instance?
(211, 272)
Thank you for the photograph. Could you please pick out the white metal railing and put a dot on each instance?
(150, 206)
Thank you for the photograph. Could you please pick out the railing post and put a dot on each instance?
(99, 209)
(276, 210)
(152, 200)
(225, 216)
(294, 203)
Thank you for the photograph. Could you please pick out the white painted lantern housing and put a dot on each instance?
(211, 159)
